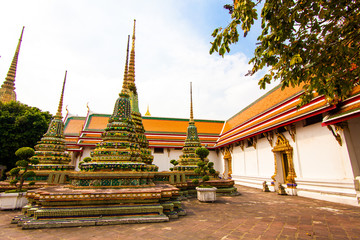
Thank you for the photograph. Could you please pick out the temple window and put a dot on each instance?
(313, 120)
(158, 150)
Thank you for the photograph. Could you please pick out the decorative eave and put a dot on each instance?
(281, 115)
(348, 109)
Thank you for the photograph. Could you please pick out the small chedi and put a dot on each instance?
(51, 150)
(189, 159)
(116, 186)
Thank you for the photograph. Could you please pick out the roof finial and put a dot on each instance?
(7, 92)
(131, 75)
(148, 112)
(191, 105)
(59, 111)
(125, 86)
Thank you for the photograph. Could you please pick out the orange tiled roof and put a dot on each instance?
(161, 132)
(348, 109)
(74, 125)
(179, 125)
(269, 100)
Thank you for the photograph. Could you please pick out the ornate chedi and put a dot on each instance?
(135, 113)
(189, 158)
(50, 150)
(116, 186)
(124, 146)
(7, 90)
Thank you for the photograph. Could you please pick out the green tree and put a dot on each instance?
(21, 171)
(314, 43)
(20, 126)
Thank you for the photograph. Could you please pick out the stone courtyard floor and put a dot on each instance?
(252, 215)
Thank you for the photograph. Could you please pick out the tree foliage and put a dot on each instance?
(311, 43)
(20, 126)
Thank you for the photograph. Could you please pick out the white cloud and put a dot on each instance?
(88, 38)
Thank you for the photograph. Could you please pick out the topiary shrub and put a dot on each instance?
(203, 169)
(20, 173)
(173, 162)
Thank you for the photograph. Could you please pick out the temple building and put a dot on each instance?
(7, 90)
(312, 151)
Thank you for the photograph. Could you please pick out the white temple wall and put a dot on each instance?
(238, 162)
(217, 158)
(317, 155)
(251, 161)
(265, 158)
(162, 160)
(323, 167)
(352, 140)
(85, 153)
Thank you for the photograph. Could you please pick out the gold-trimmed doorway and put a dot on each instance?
(284, 167)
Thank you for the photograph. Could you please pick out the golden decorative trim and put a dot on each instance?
(336, 132)
(282, 145)
(253, 141)
(227, 159)
(291, 130)
(241, 144)
(269, 136)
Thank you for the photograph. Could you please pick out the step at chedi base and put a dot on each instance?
(63, 206)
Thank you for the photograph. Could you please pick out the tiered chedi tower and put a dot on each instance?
(116, 186)
(50, 150)
(135, 113)
(189, 158)
(7, 90)
(124, 146)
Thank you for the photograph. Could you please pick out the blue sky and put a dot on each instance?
(88, 38)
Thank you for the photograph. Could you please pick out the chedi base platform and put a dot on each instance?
(62, 206)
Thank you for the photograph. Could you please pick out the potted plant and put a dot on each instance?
(205, 193)
(16, 198)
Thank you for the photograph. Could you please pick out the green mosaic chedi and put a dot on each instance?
(145, 151)
(189, 158)
(124, 146)
(51, 150)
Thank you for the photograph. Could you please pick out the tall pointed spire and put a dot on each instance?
(125, 87)
(7, 90)
(191, 105)
(131, 75)
(59, 111)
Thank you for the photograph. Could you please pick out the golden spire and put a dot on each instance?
(148, 112)
(191, 105)
(125, 87)
(59, 111)
(7, 92)
(131, 75)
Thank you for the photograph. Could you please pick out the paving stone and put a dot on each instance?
(252, 215)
